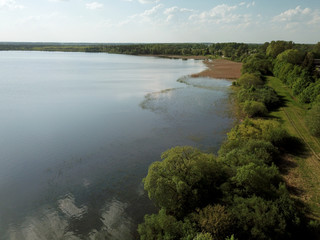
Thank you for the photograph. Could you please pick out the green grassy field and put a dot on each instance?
(302, 169)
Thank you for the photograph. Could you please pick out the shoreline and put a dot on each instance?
(216, 68)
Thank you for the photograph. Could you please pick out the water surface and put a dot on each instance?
(78, 132)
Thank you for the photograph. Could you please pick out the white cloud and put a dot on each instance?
(177, 13)
(293, 18)
(147, 1)
(315, 17)
(175, 9)
(148, 16)
(170, 10)
(94, 5)
(59, 0)
(151, 11)
(292, 14)
(223, 17)
(11, 4)
(218, 14)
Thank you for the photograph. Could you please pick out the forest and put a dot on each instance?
(240, 193)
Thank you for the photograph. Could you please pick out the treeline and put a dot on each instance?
(238, 194)
(295, 65)
(299, 69)
(296, 68)
(234, 51)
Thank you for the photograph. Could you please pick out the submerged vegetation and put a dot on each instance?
(241, 193)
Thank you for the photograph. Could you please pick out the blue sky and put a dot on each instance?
(160, 20)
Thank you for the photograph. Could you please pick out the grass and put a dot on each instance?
(302, 168)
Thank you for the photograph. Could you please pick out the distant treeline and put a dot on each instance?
(234, 51)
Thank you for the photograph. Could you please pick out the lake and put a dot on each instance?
(79, 130)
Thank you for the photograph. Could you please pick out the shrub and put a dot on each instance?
(292, 56)
(254, 109)
(215, 220)
(268, 130)
(248, 80)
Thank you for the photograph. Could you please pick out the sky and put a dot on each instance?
(149, 21)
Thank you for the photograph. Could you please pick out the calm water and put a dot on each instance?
(78, 132)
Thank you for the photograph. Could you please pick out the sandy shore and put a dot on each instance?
(221, 68)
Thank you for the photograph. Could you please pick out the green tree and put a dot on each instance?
(185, 179)
(248, 80)
(316, 50)
(257, 63)
(260, 180)
(254, 109)
(237, 152)
(268, 130)
(215, 220)
(165, 227)
(277, 47)
(292, 56)
(310, 94)
(257, 218)
(203, 236)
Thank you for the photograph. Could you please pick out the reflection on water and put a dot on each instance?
(56, 224)
(116, 225)
(80, 131)
(68, 207)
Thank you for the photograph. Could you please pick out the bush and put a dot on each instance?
(277, 47)
(238, 153)
(254, 109)
(300, 85)
(310, 94)
(292, 56)
(215, 220)
(265, 95)
(258, 218)
(165, 227)
(259, 180)
(268, 130)
(257, 63)
(248, 80)
(203, 236)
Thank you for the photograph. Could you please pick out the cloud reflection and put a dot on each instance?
(51, 224)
